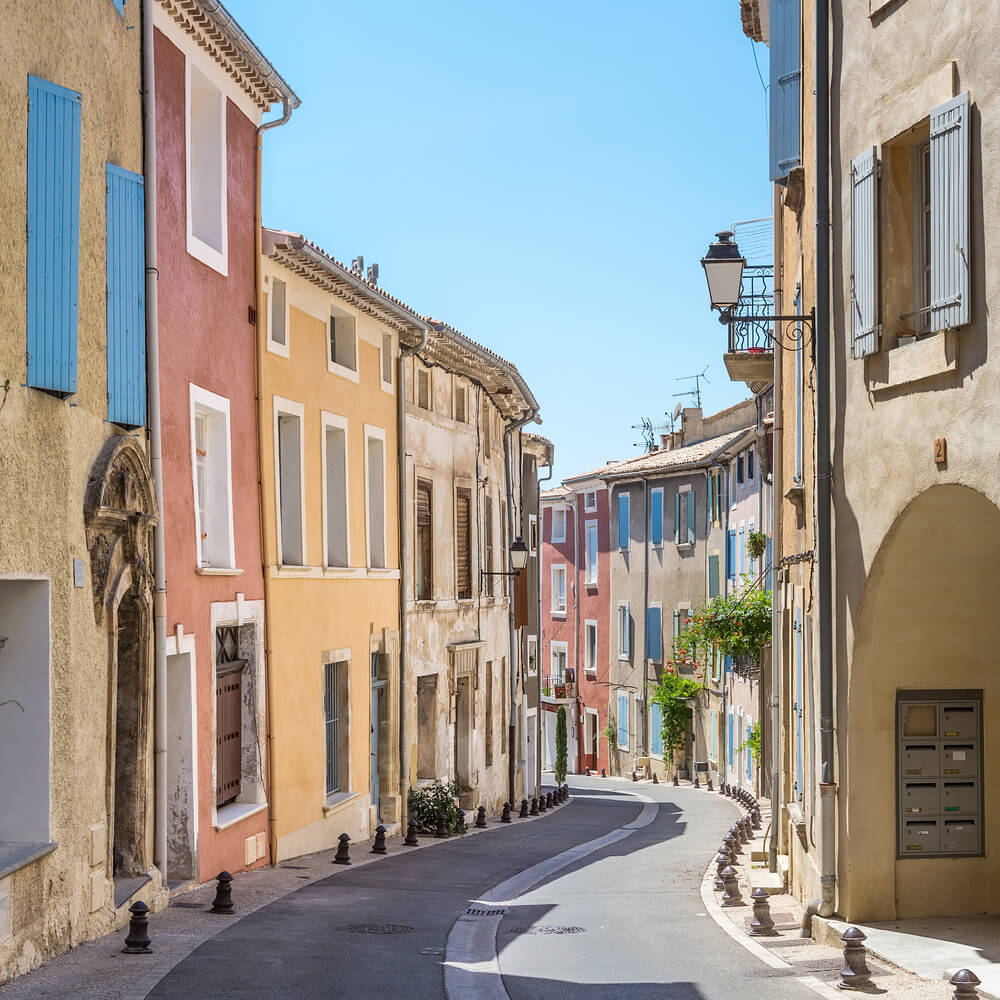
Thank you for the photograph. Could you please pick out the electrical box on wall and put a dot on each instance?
(939, 773)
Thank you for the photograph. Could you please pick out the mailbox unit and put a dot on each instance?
(939, 773)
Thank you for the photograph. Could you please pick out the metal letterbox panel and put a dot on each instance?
(959, 760)
(959, 797)
(918, 720)
(961, 836)
(921, 798)
(920, 760)
(960, 720)
(921, 836)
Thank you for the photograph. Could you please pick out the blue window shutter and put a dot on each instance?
(690, 524)
(731, 554)
(786, 87)
(656, 729)
(729, 742)
(677, 518)
(949, 249)
(126, 316)
(749, 756)
(623, 720)
(654, 633)
(120, 6)
(713, 576)
(656, 519)
(743, 551)
(623, 516)
(53, 235)
(864, 255)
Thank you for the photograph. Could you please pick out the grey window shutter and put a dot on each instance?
(949, 250)
(864, 255)
(786, 87)
(677, 519)
(691, 516)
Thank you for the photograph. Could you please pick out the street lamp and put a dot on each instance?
(518, 560)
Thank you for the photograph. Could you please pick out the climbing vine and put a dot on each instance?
(753, 743)
(737, 625)
(671, 694)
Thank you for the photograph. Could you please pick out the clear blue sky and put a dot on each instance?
(543, 176)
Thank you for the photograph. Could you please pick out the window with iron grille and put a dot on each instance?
(463, 544)
(425, 542)
(229, 672)
(335, 726)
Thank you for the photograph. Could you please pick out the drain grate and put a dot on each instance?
(376, 929)
(481, 911)
(545, 929)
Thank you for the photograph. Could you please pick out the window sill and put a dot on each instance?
(343, 572)
(624, 657)
(590, 585)
(218, 571)
(15, 855)
(935, 354)
(590, 675)
(236, 812)
(379, 573)
(334, 803)
(796, 494)
(557, 614)
(685, 545)
(343, 371)
(281, 350)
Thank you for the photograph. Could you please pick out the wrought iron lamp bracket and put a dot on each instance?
(790, 333)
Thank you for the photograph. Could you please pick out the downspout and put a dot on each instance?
(645, 623)
(404, 565)
(724, 572)
(512, 716)
(260, 328)
(155, 451)
(828, 788)
(538, 627)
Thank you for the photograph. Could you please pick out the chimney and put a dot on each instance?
(373, 274)
(692, 425)
(358, 266)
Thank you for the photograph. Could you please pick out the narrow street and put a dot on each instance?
(622, 920)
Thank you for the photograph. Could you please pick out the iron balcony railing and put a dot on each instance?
(749, 332)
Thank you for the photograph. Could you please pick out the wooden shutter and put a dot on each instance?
(949, 250)
(690, 518)
(864, 255)
(425, 544)
(786, 87)
(53, 266)
(656, 729)
(463, 547)
(656, 518)
(423, 503)
(713, 576)
(730, 554)
(278, 317)
(623, 516)
(654, 633)
(623, 720)
(228, 731)
(126, 297)
(677, 518)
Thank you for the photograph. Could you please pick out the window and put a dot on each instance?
(335, 711)
(423, 389)
(53, 234)
(463, 543)
(461, 414)
(290, 481)
(750, 466)
(590, 646)
(654, 633)
(713, 735)
(785, 90)
(739, 469)
(557, 665)
(489, 712)
(532, 655)
(425, 542)
(230, 668)
(713, 575)
(504, 554)
(623, 720)
(559, 590)
(743, 550)
(731, 554)
(591, 554)
(681, 617)
(488, 544)
(532, 534)
(624, 632)
(684, 526)
(386, 358)
(590, 501)
(656, 730)
(210, 462)
(336, 522)
(488, 434)
(206, 171)
(558, 524)
(342, 358)
(623, 520)
(277, 317)
(656, 517)
(716, 664)
(375, 480)
(715, 491)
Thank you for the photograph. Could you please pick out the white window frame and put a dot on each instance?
(554, 648)
(628, 717)
(558, 612)
(351, 374)
(590, 668)
(199, 401)
(624, 631)
(290, 408)
(196, 247)
(562, 536)
(390, 386)
(588, 507)
(274, 346)
(656, 497)
(532, 648)
(591, 567)
(532, 534)
(335, 420)
(378, 433)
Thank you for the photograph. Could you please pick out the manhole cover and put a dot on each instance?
(482, 911)
(376, 929)
(546, 929)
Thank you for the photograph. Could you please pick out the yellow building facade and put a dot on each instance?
(328, 343)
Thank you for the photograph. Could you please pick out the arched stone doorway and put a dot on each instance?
(120, 512)
(928, 623)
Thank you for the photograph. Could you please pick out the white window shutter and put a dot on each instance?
(949, 250)
(864, 255)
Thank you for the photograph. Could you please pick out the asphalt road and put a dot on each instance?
(636, 924)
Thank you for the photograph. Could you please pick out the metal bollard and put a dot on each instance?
(379, 846)
(534, 806)
(722, 788)
(762, 925)
(729, 842)
(604, 773)
(721, 861)
(549, 804)
(656, 780)
(747, 828)
(505, 813)
(755, 817)
(137, 942)
(565, 793)
(524, 809)
(734, 832)
(726, 849)
(442, 826)
(411, 834)
(634, 778)
(481, 817)
(677, 780)
(462, 828)
(740, 832)
(556, 799)
(965, 982)
(223, 902)
(542, 807)
(710, 788)
(343, 855)
(855, 974)
(731, 896)
(696, 783)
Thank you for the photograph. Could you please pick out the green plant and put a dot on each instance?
(425, 803)
(757, 544)
(610, 733)
(753, 741)
(547, 691)
(560, 765)
(671, 694)
(738, 625)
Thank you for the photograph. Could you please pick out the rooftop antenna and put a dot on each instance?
(648, 438)
(696, 391)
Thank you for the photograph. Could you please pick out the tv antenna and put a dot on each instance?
(696, 391)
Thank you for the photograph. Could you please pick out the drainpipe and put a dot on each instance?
(538, 627)
(262, 418)
(155, 451)
(515, 425)
(404, 565)
(828, 788)
(645, 623)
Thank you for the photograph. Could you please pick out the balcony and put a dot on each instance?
(559, 687)
(750, 355)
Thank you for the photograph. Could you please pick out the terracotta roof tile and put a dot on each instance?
(664, 461)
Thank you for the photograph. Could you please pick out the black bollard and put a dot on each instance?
(734, 834)
(462, 828)
(549, 804)
(697, 784)
(137, 942)
(762, 925)
(411, 834)
(710, 788)
(534, 806)
(604, 773)
(965, 982)
(677, 780)
(755, 817)
(566, 789)
(223, 902)
(379, 846)
(524, 809)
(481, 817)
(505, 813)
(726, 849)
(731, 896)
(721, 861)
(722, 788)
(634, 778)
(855, 974)
(656, 780)
(343, 855)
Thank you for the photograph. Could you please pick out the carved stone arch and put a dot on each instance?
(120, 512)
